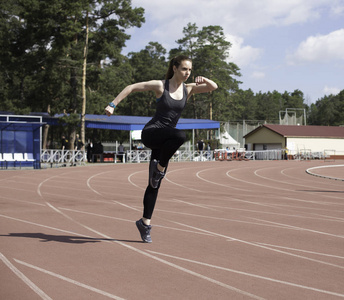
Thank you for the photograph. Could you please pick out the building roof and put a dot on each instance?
(116, 122)
(303, 131)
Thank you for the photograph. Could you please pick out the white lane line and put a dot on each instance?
(181, 185)
(197, 231)
(44, 181)
(90, 288)
(131, 221)
(195, 204)
(311, 201)
(26, 280)
(280, 188)
(220, 219)
(307, 180)
(220, 184)
(44, 226)
(323, 217)
(301, 250)
(249, 274)
(92, 177)
(134, 249)
(295, 184)
(134, 184)
(22, 201)
(159, 259)
(258, 184)
(279, 181)
(263, 247)
(299, 228)
(127, 206)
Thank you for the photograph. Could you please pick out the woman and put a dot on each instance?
(160, 134)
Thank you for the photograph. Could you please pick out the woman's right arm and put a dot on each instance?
(153, 85)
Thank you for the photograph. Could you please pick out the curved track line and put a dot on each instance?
(294, 184)
(181, 185)
(46, 180)
(142, 252)
(92, 177)
(303, 179)
(275, 188)
(134, 184)
(176, 266)
(219, 184)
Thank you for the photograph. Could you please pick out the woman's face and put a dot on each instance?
(184, 70)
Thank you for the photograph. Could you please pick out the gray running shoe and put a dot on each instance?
(155, 175)
(144, 231)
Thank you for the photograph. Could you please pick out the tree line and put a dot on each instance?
(65, 57)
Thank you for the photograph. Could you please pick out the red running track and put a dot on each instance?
(221, 230)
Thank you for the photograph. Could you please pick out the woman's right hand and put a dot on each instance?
(109, 110)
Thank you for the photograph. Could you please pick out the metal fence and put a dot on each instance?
(242, 154)
(72, 158)
(137, 156)
(63, 157)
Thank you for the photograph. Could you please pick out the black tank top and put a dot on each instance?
(168, 110)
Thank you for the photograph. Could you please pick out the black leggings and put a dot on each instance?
(164, 142)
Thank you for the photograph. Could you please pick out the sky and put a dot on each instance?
(277, 45)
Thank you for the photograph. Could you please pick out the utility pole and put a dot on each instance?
(83, 110)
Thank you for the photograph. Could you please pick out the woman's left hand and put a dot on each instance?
(199, 80)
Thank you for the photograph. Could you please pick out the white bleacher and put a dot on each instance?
(15, 158)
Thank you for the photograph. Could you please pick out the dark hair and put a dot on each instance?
(175, 61)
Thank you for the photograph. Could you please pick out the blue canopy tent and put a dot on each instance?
(21, 134)
(130, 123)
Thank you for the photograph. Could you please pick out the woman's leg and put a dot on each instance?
(151, 193)
(164, 143)
(167, 140)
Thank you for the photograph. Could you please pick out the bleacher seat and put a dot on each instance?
(18, 157)
(6, 158)
(29, 157)
(1, 161)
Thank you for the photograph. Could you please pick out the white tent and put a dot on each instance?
(227, 141)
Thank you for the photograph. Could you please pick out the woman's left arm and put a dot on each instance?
(201, 85)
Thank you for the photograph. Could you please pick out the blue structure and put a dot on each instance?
(129, 123)
(21, 134)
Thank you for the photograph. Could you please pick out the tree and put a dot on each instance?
(328, 111)
(46, 42)
(268, 106)
(242, 105)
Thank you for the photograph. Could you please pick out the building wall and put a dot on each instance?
(314, 144)
(265, 138)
